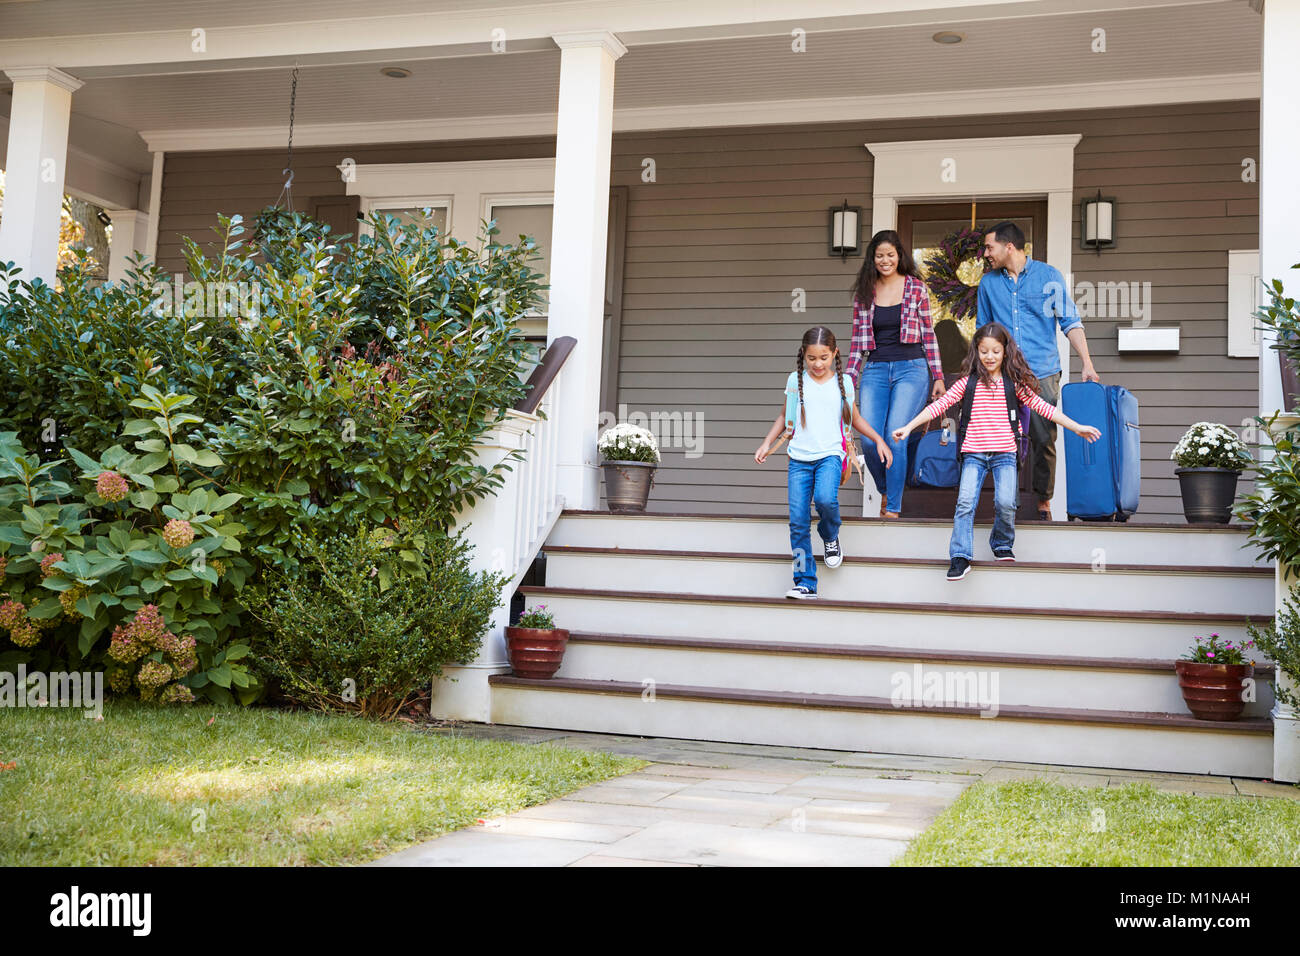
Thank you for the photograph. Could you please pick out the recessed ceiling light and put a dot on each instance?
(396, 72)
(948, 36)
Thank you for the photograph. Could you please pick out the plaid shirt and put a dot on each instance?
(916, 327)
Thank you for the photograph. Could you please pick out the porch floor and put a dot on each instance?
(703, 803)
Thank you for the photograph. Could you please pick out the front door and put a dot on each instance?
(923, 227)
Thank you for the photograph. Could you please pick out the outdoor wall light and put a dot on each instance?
(1097, 222)
(846, 230)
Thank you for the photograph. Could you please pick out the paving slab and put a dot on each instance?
(914, 762)
(1219, 787)
(558, 829)
(1266, 788)
(475, 847)
(725, 773)
(635, 791)
(892, 830)
(578, 811)
(595, 860)
(841, 787)
(716, 845)
(1015, 774)
(726, 783)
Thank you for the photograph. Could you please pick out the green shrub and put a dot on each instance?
(132, 565)
(1281, 642)
(368, 618)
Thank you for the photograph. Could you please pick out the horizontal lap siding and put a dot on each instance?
(736, 219)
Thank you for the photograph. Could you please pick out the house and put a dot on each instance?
(684, 160)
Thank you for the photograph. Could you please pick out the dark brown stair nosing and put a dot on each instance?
(1179, 527)
(883, 652)
(1189, 617)
(1150, 719)
(1202, 569)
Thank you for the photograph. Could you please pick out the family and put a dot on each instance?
(893, 370)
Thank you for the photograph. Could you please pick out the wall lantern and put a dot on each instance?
(846, 230)
(1097, 222)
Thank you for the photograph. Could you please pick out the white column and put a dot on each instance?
(577, 299)
(34, 169)
(1060, 253)
(1279, 211)
(150, 247)
(129, 238)
(463, 693)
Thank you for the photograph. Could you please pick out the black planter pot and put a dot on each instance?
(1208, 493)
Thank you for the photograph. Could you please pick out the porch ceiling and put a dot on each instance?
(871, 70)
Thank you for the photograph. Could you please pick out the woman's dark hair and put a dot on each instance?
(820, 335)
(865, 289)
(1013, 360)
(1006, 232)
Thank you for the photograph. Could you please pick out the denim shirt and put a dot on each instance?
(1030, 307)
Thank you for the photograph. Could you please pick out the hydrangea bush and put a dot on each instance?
(624, 442)
(1209, 445)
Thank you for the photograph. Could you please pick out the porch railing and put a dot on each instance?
(537, 505)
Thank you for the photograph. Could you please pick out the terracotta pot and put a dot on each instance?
(1213, 691)
(536, 652)
(1208, 493)
(627, 485)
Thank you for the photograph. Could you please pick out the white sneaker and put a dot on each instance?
(800, 593)
(833, 555)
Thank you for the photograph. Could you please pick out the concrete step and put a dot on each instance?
(1085, 738)
(1075, 542)
(1117, 587)
(992, 680)
(917, 625)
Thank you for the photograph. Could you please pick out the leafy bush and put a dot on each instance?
(1272, 509)
(134, 568)
(367, 618)
(1281, 642)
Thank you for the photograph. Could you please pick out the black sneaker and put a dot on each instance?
(833, 555)
(800, 593)
(1004, 554)
(959, 568)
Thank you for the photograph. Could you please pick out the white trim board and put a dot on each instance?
(1190, 89)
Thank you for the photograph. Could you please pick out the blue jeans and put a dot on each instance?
(1006, 493)
(890, 394)
(812, 482)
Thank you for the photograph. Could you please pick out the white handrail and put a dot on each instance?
(537, 506)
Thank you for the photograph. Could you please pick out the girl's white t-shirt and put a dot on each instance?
(821, 405)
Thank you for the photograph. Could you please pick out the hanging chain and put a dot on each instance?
(286, 193)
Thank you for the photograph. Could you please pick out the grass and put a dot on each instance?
(207, 786)
(1035, 823)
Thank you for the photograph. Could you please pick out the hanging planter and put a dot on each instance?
(1212, 676)
(629, 457)
(1211, 459)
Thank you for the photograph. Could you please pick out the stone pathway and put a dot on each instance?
(719, 804)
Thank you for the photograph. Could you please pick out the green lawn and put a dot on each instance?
(164, 786)
(1044, 824)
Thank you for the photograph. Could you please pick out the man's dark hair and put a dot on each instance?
(1009, 232)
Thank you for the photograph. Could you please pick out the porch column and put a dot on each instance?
(130, 238)
(581, 224)
(1279, 211)
(34, 169)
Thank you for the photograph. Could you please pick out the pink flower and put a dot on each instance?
(111, 486)
(178, 533)
(48, 563)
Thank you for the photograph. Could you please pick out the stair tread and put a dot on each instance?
(1150, 719)
(1193, 617)
(887, 652)
(1265, 572)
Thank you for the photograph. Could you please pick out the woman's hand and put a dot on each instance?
(937, 390)
(1088, 432)
(886, 455)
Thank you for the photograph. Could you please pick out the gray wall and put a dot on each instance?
(736, 219)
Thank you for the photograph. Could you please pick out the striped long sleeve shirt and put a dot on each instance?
(989, 428)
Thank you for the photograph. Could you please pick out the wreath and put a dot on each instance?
(952, 275)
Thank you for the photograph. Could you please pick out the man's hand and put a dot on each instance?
(1089, 373)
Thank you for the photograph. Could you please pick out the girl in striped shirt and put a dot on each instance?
(988, 434)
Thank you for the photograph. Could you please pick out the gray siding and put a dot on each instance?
(736, 220)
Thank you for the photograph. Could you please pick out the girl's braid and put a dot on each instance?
(845, 412)
(798, 371)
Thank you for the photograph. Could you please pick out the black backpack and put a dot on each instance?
(1019, 421)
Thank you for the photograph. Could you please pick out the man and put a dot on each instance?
(1030, 298)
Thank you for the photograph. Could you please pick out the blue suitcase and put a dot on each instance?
(1103, 477)
(933, 460)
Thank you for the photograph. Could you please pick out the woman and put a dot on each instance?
(902, 370)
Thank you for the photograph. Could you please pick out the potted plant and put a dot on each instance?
(1211, 677)
(535, 644)
(1282, 316)
(629, 455)
(1211, 458)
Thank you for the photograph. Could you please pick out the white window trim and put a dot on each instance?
(1245, 296)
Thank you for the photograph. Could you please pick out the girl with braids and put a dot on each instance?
(819, 405)
(996, 381)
